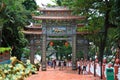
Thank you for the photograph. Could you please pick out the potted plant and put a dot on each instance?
(5, 53)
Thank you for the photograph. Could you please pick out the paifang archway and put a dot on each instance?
(58, 22)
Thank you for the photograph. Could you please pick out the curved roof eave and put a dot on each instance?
(59, 18)
(32, 32)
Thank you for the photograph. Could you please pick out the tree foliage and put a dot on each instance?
(30, 5)
(16, 17)
(101, 16)
(62, 50)
(115, 13)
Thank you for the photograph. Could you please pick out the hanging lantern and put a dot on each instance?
(66, 44)
(51, 43)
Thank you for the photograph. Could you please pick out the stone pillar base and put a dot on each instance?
(74, 67)
(43, 68)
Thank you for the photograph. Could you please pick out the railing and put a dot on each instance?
(90, 69)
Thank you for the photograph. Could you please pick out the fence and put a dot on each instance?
(96, 67)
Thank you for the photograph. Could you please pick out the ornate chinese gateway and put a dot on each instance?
(56, 21)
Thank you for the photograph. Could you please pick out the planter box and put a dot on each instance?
(1, 57)
(4, 55)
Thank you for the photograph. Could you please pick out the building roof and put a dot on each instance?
(32, 32)
(51, 9)
(40, 32)
(36, 29)
(59, 17)
(33, 27)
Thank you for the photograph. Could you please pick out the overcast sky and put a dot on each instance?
(39, 2)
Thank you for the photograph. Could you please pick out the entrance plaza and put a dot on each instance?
(56, 74)
(59, 24)
(72, 40)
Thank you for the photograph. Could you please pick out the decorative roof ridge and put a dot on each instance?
(34, 26)
(57, 8)
(58, 17)
(32, 32)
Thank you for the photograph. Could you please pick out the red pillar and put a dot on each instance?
(103, 69)
(116, 66)
(90, 62)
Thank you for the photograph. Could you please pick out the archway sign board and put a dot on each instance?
(58, 23)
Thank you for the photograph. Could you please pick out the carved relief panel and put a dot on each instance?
(58, 28)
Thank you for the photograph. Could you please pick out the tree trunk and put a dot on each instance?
(103, 40)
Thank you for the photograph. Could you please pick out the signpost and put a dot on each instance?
(109, 74)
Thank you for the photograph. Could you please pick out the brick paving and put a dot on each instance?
(56, 74)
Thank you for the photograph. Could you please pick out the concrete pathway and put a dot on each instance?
(56, 74)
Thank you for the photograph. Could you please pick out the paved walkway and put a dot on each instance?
(56, 74)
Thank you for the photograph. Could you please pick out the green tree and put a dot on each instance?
(80, 55)
(67, 51)
(30, 5)
(105, 11)
(16, 17)
(64, 2)
(98, 15)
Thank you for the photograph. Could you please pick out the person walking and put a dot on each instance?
(61, 64)
(84, 68)
(54, 63)
(79, 68)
